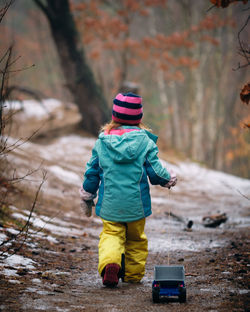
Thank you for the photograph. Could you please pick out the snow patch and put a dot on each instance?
(58, 226)
(2, 238)
(65, 175)
(9, 272)
(18, 261)
(14, 281)
(32, 108)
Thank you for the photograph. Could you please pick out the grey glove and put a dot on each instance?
(86, 206)
(86, 202)
(173, 179)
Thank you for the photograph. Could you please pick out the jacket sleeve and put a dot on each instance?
(158, 175)
(91, 178)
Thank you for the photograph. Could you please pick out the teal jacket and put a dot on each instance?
(120, 164)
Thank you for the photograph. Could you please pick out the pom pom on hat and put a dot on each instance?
(127, 109)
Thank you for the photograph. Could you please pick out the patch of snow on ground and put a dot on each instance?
(65, 175)
(56, 229)
(194, 177)
(2, 237)
(14, 281)
(43, 222)
(9, 272)
(32, 108)
(19, 261)
(12, 231)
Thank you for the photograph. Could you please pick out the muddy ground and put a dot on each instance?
(64, 277)
(56, 268)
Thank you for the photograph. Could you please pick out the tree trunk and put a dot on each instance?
(78, 75)
(198, 111)
(164, 99)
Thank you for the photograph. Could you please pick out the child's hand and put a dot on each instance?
(86, 206)
(86, 202)
(173, 179)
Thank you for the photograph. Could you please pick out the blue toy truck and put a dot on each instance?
(169, 281)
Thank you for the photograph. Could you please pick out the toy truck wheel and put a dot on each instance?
(155, 296)
(183, 295)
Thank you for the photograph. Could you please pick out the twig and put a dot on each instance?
(4, 10)
(26, 225)
(211, 8)
(242, 194)
(241, 46)
(234, 189)
(13, 146)
(18, 70)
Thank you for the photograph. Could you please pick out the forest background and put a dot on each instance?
(181, 57)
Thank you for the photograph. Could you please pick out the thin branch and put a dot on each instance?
(17, 70)
(211, 8)
(26, 225)
(4, 10)
(37, 95)
(13, 146)
(3, 83)
(14, 61)
(6, 52)
(240, 43)
(235, 189)
(242, 194)
(240, 66)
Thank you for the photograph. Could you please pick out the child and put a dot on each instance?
(124, 155)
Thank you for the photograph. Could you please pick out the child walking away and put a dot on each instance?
(124, 155)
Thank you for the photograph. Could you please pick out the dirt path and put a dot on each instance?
(56, 270)
(64, 277)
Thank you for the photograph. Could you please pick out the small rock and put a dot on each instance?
(233, 245)
(22, 272)
(58, 290)
(190, 224)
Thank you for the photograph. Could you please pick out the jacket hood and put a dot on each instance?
(125, 148)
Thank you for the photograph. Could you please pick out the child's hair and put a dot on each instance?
(114, 125)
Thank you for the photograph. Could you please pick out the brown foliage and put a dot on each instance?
(109, 30)
(245, 94)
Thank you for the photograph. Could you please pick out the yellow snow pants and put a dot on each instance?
(128, 239)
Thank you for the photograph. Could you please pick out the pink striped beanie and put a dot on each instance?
(127, 109)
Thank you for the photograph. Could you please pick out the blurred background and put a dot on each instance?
(181, 56)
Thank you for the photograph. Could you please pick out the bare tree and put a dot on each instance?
(79, 78)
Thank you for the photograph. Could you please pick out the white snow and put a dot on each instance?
(56, 229)
(36, 280)
(12, 231)
(54, 225)
(14, 281)
(65, 175)
(196, 178)
(32, 108)
(9, 272)
(19, 261)
(2, 237)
